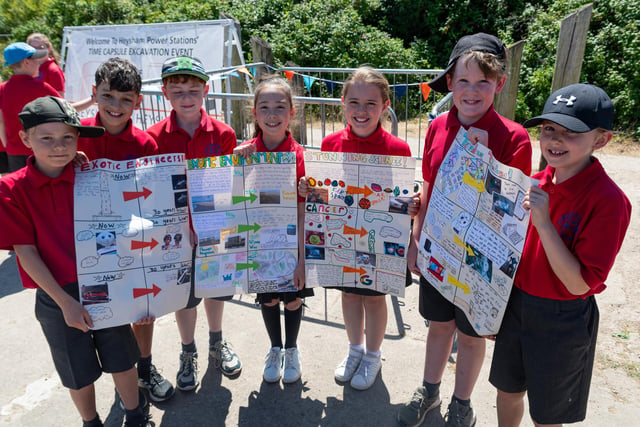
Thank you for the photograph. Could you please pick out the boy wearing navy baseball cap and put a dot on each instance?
(36, 211)
(579, 216)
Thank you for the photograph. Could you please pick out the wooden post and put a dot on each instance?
(572, 41)
(262, 52)
(505, 102)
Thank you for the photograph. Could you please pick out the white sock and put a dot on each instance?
(376, 354)
(359, 347)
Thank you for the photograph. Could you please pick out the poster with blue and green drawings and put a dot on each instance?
(244, 213)
(357, 225)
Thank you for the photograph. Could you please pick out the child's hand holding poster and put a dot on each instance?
(473, 232)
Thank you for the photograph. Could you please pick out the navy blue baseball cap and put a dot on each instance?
(479, 42)
(16, 52)
(580, 107)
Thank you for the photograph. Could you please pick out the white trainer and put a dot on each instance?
(367, 372)
(292, 372)
(273, 365)
(345, 370)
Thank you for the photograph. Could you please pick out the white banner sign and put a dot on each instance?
(147, 46)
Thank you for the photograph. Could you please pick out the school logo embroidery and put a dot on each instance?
(213, 150)
(568, 226)
(569, 100)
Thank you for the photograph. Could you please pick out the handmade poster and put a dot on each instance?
(244, 212)
(357, 227)
(473, 232)
(132, 238)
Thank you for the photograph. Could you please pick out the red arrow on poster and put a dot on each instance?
(357, 190)
(351, 230)
(140, 292)
(130, 195)
(136, 244)
(354, 270)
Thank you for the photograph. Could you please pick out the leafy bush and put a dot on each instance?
(384, 33)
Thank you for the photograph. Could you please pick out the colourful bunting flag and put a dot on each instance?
(426, 89)
(308, 82)
(400, 90)
(244, 71)
(289, 74)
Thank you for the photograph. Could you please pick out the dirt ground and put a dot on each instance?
(618, 351)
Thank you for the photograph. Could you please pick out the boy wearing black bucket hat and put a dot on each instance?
(36, 210)
(579, 217)
(474, 74)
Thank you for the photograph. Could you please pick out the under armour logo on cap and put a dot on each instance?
(569, 100)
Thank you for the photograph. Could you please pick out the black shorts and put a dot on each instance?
(81, 357)
(4, 162)
(16, 162)
(433, 306)
(285, 297)
(547, 347)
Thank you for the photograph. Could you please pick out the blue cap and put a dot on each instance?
(16, 52)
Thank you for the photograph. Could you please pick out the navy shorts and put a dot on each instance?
(433, 306)
(81, 357)
(546, 348)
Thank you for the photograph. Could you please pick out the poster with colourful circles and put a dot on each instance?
(357, 222)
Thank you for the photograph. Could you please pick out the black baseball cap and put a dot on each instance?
(479, 42)
(51, 109)
(184, 65)
(580, 107)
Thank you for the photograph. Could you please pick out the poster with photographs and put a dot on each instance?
(357, 226)
(244, 213)
(133, 252)
(473, 232)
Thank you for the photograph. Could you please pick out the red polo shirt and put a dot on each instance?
(379, 142)
(591, 214)
(508, 141)
(212, 138)
(287, 145)
(38, 210)
(15, 93)
(50, 72)
(131, 143)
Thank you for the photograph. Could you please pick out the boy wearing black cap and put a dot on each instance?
(474, 74)
(29, 199)
(190, 130)
(21, 88)
(579, 216)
